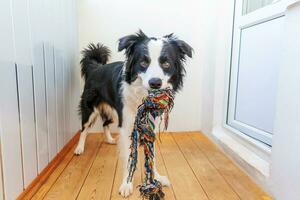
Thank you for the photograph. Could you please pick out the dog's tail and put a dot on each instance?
(93, 56)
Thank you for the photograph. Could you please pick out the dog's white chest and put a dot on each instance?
(134, 94)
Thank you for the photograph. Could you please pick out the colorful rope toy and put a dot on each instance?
(157, 103)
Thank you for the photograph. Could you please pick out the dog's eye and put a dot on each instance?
(144, 64)
(166, 65)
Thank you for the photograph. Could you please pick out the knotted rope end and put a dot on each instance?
(152, 191)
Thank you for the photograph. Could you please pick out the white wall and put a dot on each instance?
(285, 165)
(209, 61)
(39, 89)
(106, 21)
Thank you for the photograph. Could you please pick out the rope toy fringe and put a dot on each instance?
(157, 103)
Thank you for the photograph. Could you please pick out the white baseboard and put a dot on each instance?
(251, 162)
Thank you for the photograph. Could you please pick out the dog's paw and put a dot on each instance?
(126, 189)
(164, 180)
(79, 150)
(111, 141)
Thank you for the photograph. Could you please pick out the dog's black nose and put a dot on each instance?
(155, 83)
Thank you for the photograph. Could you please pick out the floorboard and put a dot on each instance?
(208, 176)
(239, 181)
(185, 184)
(161, 168)
(99, 182)
(43, 190)
(71, 180)
(197, 169)
(119, 177)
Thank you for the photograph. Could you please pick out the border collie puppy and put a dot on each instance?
(114, 91)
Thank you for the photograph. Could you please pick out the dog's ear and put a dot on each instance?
(185, 48)
(169, 36)
(129, 41)
(126, 42)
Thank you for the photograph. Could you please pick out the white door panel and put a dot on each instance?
(67, 92)
(6, 37)
(10, 137)
(40, 105)
(37, 53)
(59, 99)
(51, 100)
(260, 53)
(37, 25)
(21, 32)
(27, 123)
(10, 132)
(23, 58)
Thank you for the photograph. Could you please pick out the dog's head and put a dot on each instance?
(158, 62)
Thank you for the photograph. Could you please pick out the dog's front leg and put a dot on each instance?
(126, 188)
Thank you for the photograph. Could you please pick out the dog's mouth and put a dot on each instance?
(160, 89)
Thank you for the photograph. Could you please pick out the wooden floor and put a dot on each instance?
(195, 167)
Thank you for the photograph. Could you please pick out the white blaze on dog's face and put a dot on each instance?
(154, 77)
(154, 63)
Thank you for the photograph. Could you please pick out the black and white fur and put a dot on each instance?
(114, 91)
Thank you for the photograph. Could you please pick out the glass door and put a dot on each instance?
(252, 5)
(256, 56)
